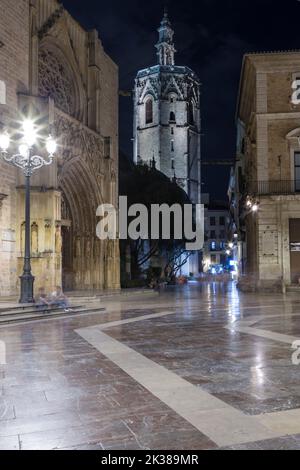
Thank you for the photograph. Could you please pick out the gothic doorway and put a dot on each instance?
(67, 247)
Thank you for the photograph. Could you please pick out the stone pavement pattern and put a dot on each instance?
(62, 389)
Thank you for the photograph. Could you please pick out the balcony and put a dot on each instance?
(273, 188)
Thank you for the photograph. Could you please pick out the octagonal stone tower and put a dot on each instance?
(167, 123)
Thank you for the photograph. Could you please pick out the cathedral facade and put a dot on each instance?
(54, 71)
(167, 123)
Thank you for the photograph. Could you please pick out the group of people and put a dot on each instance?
(56, 300)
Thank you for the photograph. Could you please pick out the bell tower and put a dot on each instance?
(167, 124)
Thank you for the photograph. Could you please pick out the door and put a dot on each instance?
(295, 250)
(67, 259)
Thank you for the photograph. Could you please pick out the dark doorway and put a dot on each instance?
(67, 259)
(67, 247)
(295, 250)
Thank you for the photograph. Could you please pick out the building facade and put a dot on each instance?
(217, 222)
(167, 124)
(55, 72)
(264, 189)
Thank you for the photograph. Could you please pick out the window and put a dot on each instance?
(243, 146)
(172, 117)
(213, 234)
(213, 259)
(172, 145)
(172, 130)
(149, 111)
(107, 147)
(190, 109)
(173, 164)
(222, 221)
(2, 92)
(297, 171)
(213, 221)
(213, 246)
(222, 235)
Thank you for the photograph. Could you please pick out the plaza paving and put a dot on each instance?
(199, 367)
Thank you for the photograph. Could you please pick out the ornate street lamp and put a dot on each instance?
(28, 162)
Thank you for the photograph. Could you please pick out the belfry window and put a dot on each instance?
(149, 111)
(172, 117)
(191, 119)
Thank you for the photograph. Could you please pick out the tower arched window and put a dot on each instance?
(191, 117)
(172, 116)
(149, 111)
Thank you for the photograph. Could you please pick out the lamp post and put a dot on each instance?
(28, 162)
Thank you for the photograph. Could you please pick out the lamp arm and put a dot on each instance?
(28, 165)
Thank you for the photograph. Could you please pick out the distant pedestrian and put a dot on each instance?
(42, 302)
(59, 299)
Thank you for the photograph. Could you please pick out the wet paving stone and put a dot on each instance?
(58, 392)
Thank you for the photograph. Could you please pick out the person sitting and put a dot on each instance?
(60, 300)
(42, 302)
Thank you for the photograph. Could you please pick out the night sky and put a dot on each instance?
(211, 37)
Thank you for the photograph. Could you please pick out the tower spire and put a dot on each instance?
(165, 46)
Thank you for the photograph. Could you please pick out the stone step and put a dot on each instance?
(23, 318)
(12, 302)
(17, 307)
(13, 312)
(293, 289)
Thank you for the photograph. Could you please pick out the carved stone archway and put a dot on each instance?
(82, 176)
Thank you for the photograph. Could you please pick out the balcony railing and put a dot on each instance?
(272, 188)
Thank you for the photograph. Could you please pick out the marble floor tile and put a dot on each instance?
(206, 385)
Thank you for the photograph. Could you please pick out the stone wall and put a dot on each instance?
(272, 129)
(14, 56)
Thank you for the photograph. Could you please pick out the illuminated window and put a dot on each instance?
(2, 92)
